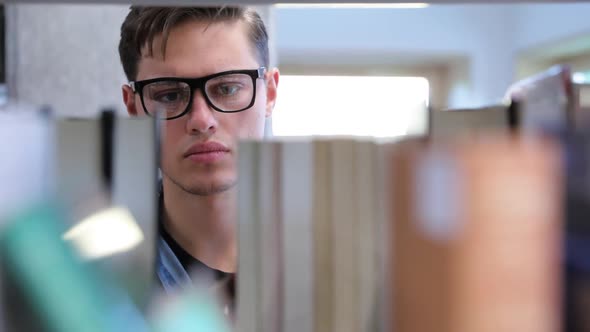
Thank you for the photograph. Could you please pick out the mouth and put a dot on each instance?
(207, 152)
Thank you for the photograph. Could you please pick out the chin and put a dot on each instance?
(203, 184)
(211, 189)
(210, 186)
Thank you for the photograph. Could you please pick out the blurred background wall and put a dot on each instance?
(66, 55)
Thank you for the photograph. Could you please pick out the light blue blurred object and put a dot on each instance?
(67, 294)
(26, 157)
(190, 311)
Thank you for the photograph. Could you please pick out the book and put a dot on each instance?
(546, 100)
(296, 194)
(384, 184)
(67, 294)
(108, 192)
(472, 121)
(28, 172)
(248, 313)
(576, 272)
(80, 182)
(416, 235)
(365, 181)
(28, 178)
(323, 237)
(345, 227)
(270, 237)
(483, 219)
(135, 189)
(416, 290)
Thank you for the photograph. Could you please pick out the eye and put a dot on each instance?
(170, 96)
(227, 89)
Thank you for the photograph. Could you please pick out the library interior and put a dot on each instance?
(209, 165)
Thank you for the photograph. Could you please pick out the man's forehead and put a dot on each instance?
(193, 33)
(199, 49)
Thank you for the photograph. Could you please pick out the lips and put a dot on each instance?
(206, 152)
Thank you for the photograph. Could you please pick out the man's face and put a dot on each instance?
(194, 50)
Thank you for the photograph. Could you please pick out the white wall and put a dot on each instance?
(487, 37)
(541, 24)
(433, 29)
(477, 33)
(72, 48)
(65, 56)
(550, 34)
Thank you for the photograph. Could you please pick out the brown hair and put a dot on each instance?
(143, 24)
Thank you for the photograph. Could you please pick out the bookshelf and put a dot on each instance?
(351, 261)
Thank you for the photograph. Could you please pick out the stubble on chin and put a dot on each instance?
(201, 190)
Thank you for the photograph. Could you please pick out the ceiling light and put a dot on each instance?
(354, 5)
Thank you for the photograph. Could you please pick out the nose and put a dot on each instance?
(201, 119)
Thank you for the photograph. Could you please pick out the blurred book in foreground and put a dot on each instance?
(476, 236)
(107, 178)
(546, 100)
(108, 201)
(474, 121)
(66, 294)
(577, 230)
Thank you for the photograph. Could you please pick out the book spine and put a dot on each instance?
(367, 235)
(270, 237)
(323, 238)
(296, 205)
(345, 230)
(248, 278)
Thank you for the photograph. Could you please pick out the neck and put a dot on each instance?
(204, 226)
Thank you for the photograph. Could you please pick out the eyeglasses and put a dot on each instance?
(171, 97)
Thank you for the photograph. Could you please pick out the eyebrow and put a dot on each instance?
(198, 77)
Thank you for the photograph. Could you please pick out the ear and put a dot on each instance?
(129, 100)
(272, 83)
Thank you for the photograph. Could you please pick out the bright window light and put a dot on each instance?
(350, 105)
(581, 77)
(354, 5)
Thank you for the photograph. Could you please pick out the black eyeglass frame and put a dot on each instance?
(199, 83)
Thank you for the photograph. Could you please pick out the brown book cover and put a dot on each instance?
(476, 236)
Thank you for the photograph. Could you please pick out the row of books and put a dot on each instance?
(350, 235)
(77, 221)
(309, 228)
(461, 229)
(78, 226)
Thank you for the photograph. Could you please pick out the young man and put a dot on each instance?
(206, 71)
